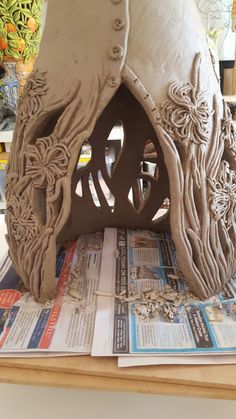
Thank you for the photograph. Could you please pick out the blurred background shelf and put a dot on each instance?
(5, 140)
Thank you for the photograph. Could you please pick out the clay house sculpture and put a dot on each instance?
(144, 63)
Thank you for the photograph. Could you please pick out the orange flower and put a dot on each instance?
(32, 24)
(11, 28)
(3, 44)
(21, 45)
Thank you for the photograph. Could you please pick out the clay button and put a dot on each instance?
(116, 52)
(113, 81)
(118, 24)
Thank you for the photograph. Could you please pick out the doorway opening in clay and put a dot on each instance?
(124, 181)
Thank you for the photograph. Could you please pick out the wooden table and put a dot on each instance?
(103, 374)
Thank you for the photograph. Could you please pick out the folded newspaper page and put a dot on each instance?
(64, 325)
(144, 305)
(138, 361)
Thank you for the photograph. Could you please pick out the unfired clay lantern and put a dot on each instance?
(145, 63)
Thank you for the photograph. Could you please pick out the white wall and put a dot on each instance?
(23, 402)
(216, 14)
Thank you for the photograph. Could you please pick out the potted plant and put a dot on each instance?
(20, 34)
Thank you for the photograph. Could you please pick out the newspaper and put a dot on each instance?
(63, 325)
(134, 361)
(137, 260)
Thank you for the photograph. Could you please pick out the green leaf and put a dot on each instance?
(34, 8)
(27, 54)
(13, 53)
(4, 15)
(12, 35)
(11, 3)
(10, 53)
(13, 9)
(23, 17)
(13, 44)
(25, 1)
(26, 12)
(28, 35)
(38, 16)
(3, 32)
(16, 15)
(20, 23)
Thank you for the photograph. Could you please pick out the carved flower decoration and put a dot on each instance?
(223, 195)
(228, 134)
(22, 222)
(186, 115)
(30, 102)
(36, 84)
(46, 161)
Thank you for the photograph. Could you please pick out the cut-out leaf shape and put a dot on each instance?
(160, 213)
(114, 145)
(139, 193)
(163, 210)
(79, 189)
(94, 193)
(117, 132)
(85, 154)
(106, 191)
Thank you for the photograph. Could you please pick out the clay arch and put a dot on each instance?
(126, 175)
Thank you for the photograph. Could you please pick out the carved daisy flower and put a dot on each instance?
(186, 114)
(46, 161)
(223, 195)
(23, 224)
